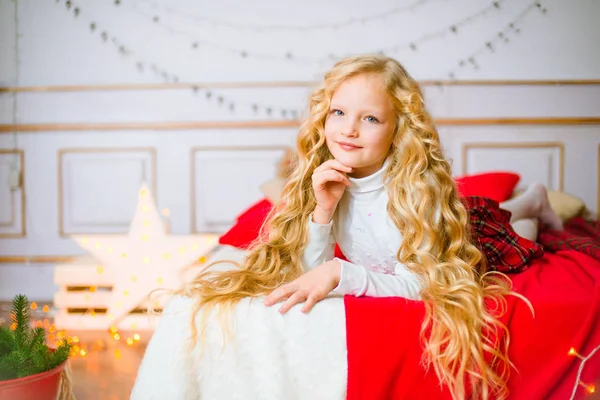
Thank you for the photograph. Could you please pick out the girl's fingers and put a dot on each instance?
(330, 176)
(310, 302)
(294, 299)
(279, 294)
(335, 165)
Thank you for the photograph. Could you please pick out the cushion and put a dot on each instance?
(565, 205)
(247, 226)
(497, 186)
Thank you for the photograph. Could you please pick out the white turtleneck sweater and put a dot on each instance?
(368, 238)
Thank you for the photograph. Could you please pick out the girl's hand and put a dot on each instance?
(329, 181)
(313, 287)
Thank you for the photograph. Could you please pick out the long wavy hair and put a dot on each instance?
(462, 335)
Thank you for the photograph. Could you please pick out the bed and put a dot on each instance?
(368, 355)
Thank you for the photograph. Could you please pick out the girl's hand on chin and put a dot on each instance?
(329, 181)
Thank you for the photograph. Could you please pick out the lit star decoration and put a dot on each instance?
(144, 259)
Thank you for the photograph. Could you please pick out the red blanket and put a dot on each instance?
(384, 350)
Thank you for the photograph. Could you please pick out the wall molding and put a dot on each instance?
(63, 151)
(518, 145)
(200, 125)
(279, 84)
(21, 154)
(153, 126)
(193, 151)
(36, 259)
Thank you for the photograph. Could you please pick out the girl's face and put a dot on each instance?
(359, 129)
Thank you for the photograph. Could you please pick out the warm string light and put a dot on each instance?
(413, 44)
(56, 337)
(468, 61)
(501, 37)
(197, 19)
(590, 388)
(168, 77)
(83, 349)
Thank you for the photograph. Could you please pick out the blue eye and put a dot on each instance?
(337, 112)
(372, 119)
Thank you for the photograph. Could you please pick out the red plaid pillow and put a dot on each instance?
(503, 248)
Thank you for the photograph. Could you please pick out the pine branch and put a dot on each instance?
(38, 350)
(14, 365)
(23, 351)
(20, 315)
(60, 355)
(7, 341)
(37, 339)
(9, 367)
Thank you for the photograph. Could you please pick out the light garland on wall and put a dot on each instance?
(169, 77)
(492, 43)
(143, 66)
(214, 22)
(196, 42)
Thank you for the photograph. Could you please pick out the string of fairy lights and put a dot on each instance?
(589, 388)
(144, 65)
(196, 42)
(492, 43)
(268, 28)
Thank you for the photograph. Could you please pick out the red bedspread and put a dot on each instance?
(384, 350)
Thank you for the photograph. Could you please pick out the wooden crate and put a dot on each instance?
(84, 295)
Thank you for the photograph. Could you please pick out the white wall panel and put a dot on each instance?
(98, 187)
(534, 162)
(226, 181)
(12, 199)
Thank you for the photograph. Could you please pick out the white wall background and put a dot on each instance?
(58, 48)
(43, 43)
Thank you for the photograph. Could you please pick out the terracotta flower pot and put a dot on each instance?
(43, 386)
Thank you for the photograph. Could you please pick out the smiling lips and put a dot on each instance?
(348, 146)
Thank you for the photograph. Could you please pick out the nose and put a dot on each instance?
(350, 128)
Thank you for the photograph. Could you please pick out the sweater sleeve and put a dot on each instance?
(320, 246)
(359, 281)
(166, 371)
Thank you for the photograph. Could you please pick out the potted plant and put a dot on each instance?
(29, 369)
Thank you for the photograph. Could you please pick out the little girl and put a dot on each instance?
(371, 177)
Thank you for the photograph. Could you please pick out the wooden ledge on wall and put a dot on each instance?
(281, 84)
(272, 124)
(36, 259)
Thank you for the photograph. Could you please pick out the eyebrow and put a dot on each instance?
(334, 106)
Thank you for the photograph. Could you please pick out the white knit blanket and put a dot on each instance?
(266, 356)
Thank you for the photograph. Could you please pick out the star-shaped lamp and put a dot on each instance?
(145, 259)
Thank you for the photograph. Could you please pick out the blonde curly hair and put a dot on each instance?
(460, 331)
